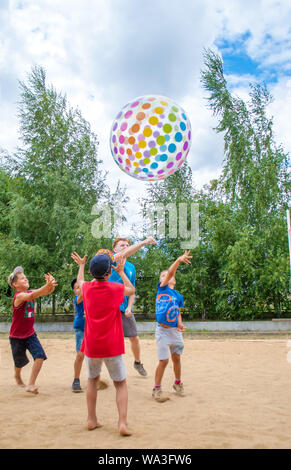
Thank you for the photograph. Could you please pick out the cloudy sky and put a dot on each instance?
(104, 53)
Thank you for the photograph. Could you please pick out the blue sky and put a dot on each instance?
(104, 53)
(235, 57)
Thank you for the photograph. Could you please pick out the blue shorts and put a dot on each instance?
(19, 347)
(79, 334)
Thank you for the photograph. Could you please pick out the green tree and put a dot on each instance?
(256, 184)
(57, 180)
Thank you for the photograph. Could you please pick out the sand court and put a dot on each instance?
(237, 396)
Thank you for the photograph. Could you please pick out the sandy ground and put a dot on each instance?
(237, 396)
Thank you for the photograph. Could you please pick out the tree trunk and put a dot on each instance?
(54, 304)
(38, 306)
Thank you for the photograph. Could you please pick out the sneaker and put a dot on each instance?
(140, 368)
(179, 388)
(158, 396)
(76, 387)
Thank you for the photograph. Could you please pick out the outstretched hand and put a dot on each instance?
(120, 262)
(185, 258)
(78, 258)
(149, 241)
(51, 283)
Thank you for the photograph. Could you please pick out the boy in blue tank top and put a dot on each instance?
(169, 327)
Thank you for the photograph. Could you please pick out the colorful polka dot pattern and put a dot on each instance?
(150, 138)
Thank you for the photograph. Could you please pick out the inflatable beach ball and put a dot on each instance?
(150, 138)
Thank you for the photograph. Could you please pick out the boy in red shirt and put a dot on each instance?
(22, 335)
(103, 338)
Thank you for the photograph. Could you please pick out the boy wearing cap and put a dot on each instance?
(22, 335)
(79, 327)
(121, 246)
(103, 338)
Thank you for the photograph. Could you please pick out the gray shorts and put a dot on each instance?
(115, 366)
(129, 325)
(168, 339)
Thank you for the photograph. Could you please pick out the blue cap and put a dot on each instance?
(100, 265)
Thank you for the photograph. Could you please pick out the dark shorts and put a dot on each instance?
(129, 325)
(20, 346)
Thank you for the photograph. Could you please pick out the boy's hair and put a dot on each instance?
(13, 276)
(119, 239)
(73, 283)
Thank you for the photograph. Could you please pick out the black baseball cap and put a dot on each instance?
(100, 265)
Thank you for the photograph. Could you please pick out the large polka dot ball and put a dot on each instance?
(150, 138)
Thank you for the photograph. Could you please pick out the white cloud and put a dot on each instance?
(103, 53)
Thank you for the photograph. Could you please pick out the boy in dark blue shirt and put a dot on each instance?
(169, 327)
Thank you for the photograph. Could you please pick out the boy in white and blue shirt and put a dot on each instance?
(169, 327)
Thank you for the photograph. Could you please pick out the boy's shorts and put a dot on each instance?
(115, 366)
(129, 325)
(79, 335)
(19, 347)
(168, 339)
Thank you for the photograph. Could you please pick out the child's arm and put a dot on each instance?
(173, 268)
(180, 325)
(46, 289)
(81, 263)
(128, 311)
(80, 298)
(129, 289)
(131, 250)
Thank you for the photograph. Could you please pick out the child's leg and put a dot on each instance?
(18, 348)
(157, 391)
(91, 396)
(176, 358)
(78, 364)
(160, 371)
(122, 401)
(17, 376)
(178, 386)
(38, 354)
(37, 365)
(135, 347)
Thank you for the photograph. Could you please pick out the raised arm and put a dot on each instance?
(131, 250)
(81, 263)
(46, 289)
(185, 258)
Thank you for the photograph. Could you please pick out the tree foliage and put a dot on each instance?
(50, 186)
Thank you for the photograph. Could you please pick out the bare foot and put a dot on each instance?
(93, 424)
(123, 430)
(102, 385)
(32, 389)
(19, 381)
